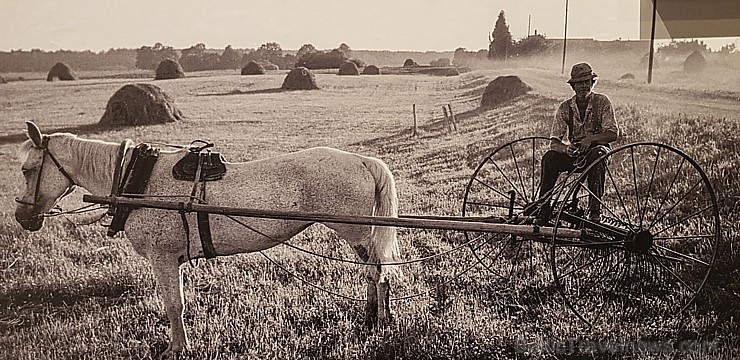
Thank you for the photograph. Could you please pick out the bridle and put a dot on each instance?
(45, 147)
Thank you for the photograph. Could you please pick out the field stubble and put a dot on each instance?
(69, 292)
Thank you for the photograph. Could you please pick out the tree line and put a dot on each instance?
(37, 60)
(198, 57)
(195, 58)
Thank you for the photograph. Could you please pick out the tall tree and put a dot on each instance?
(501, 42)
(305, 49)
(230, 58)
(146, 58)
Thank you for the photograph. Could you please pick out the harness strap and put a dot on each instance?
(204, 230)
(141, 165)
(118, 173)
(45, 147)
(204, 225)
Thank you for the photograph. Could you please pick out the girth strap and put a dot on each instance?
(204, 230)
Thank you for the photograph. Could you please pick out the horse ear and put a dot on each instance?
(34, 133)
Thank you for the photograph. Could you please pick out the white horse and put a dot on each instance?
(314, 180)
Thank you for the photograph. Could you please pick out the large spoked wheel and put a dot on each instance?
(509, 178)
(654, 246)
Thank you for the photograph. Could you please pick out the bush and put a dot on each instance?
(322, 60)
(443, 62)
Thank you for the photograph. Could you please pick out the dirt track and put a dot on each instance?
(637, 94)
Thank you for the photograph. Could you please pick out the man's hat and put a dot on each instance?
(581, 72)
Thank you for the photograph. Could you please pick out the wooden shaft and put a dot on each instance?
(437, 222)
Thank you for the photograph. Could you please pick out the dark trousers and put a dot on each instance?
(554, 163)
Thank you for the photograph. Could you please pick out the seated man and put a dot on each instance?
(587, 122)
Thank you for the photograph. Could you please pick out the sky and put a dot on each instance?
(415, 25)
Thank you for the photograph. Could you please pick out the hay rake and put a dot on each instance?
(650, 254)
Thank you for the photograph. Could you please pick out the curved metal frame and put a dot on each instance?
(508, 207)
(625, 236)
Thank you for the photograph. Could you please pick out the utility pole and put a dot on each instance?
(529, 23)
(565, 37)
(652, 43)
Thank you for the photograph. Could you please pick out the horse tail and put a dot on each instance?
(383, 246)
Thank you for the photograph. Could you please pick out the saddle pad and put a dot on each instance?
(212, 167)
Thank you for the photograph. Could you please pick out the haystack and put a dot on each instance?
(627, 76)
(62, 72)
(300, 78)
(140, 104)
(169, 69)
(410, 63)
(695, 62)
(348, 68)
(371, 70)
(2, 80)
(253, 68)
(502, 89)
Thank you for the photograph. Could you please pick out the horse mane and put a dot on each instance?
(93, 155)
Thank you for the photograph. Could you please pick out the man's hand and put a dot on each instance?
(584, 144)
(573, 150)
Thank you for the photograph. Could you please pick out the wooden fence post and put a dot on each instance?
(452, 117)
(447, 118)
(414, 131)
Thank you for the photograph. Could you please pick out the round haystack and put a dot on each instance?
(140, 104)
(371, 70)
(410, 63)
(694, 62)
(502, 89)
(62, 72)
(300, 78)
(348, 68)
(169, 69)
(253, 68)
(270, 66)
(627, 76)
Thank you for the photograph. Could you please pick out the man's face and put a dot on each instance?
(582, 88)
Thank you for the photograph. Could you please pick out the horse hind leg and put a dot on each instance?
(371, 306)
(377, 308)
(366, 243)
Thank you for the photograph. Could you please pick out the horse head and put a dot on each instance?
(46, 180)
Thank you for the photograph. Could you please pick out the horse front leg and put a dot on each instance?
(169, 282)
